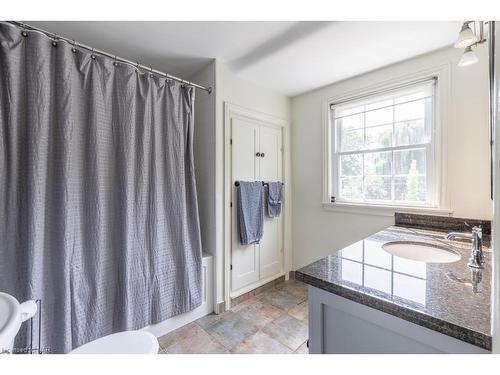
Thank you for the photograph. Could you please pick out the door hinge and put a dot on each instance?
(332, 199)
(231, 141)
(231, 204)
(231, 267)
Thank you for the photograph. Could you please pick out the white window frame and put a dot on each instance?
(438, 143)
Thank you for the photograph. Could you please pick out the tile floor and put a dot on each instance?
(272, 322)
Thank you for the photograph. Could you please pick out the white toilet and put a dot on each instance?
(13, 313)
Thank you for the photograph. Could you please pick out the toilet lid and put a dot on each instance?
(127, 342)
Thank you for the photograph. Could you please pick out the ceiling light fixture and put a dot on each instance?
(468, 39)
(468, 58)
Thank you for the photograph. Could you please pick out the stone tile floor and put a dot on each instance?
(272, 322)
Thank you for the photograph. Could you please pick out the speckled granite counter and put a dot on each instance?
(449, 298)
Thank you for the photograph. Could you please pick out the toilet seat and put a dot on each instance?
(127, 342)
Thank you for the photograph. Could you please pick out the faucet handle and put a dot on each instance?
(477, 244)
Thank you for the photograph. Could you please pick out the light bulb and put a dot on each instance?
(466, 37)
(468, 58)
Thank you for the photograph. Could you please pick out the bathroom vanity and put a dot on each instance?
(365, 299)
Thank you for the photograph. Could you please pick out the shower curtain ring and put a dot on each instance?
(54, 42)
(73, 49)
(137, 66)
(151, 73)
(24, 32)
(115, 63)
(92, 56)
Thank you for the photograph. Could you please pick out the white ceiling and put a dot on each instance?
(289, 57)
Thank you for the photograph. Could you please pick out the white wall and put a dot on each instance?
(317, 232)
(238, 91)
(204, 155)
(235, 90)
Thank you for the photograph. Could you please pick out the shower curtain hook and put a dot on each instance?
(73, 49)
(151, 73)
(54, 42)
(92, 56)
(24, 32)
(115, 63)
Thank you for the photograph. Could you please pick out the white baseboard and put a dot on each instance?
(206, 307)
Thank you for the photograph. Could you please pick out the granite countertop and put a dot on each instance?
(450, 298)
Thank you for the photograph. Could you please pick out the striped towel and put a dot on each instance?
(274, 199)
(250, 212)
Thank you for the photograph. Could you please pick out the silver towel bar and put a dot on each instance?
(237, 183)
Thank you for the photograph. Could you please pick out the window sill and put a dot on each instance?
(379, 210)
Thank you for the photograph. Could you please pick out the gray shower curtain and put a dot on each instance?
(98, 207)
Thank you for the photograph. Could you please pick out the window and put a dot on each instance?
(382, 149)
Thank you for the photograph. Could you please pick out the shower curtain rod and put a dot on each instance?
(74, 43)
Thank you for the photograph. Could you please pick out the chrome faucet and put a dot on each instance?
(476, 259)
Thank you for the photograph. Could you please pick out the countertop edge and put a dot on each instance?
(458, 332)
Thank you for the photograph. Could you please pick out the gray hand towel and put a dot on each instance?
(250, 211)
(274, 199)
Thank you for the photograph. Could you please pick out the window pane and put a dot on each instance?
(352, 140)
(410, 188)
(351, 133)
(344, 124)
(409, 111)
(379, 117)
(378, 163)
(351, 188)
(411, 96)
(379, 104)
(409, 132)
(348, 110)
(351, 165)
(378, 137)
(377, 188)
(410, 162)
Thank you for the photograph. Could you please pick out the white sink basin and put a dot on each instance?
(421, 252)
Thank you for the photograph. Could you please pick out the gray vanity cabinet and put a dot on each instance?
(340, 326)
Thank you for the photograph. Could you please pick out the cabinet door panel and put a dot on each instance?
(244, 259)
(271, 256)
(270, 145)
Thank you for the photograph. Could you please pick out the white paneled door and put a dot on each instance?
(256, 155)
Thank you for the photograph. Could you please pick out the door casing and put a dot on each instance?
(235, 111)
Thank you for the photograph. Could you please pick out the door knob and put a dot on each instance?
(262, 154)
(257, 154)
